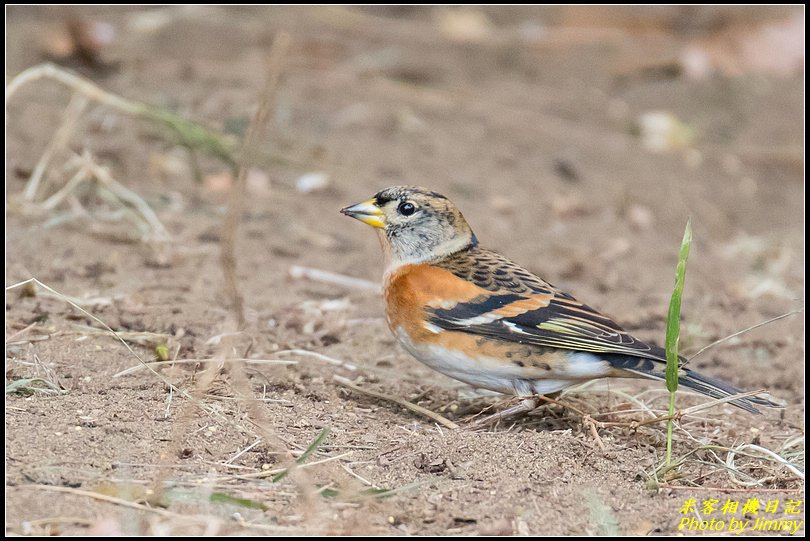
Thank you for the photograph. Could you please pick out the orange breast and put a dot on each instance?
(412, 288)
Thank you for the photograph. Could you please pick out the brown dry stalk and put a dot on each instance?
(101, 497)
(76, 106)
(591, 425)
(328, 277)
(141, 507)
(236, 195)
(230, 225)
(250, 151)
(738, 333)
(94, 92)
(258, 124)
(397, 400)
(257, 413)
(190, 133)
(228, 263)
(169, 454)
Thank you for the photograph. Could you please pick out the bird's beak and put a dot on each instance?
(367, 212)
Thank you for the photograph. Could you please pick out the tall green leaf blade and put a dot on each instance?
(674, 315)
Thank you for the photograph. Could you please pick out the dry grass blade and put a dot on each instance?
(142, 338)
(276, 471)
(131, 205)
(243, 451)
(51, 71)
(101, 497)
(30, 386)
(128, 197)
(397, 400)
(767, 454)
(138, 367)
(205, 519)
(681, 414)
(62, 520)
(188, 133)
(106, 327)
(358, 476)
(317, 275)
(717, 401)
(318, 356)
(81, 175)
(236, 195)
(75, 108)
(17, 334)
(738, 333)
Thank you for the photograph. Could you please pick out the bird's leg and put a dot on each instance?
(524, 406)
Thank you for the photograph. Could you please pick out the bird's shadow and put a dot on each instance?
(548, 416)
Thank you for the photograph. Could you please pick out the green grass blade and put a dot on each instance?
(192, 134)
(313, 446)
(309, 450)
(674, 315)
(674, 330)
(175, 495)
(29, 386)
(221, 497)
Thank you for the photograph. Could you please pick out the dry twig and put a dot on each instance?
(327, 277)
(236, 195)
(397, 400)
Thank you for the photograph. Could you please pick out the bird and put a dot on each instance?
(476, 316)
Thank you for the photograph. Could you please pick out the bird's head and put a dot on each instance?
(415, 225)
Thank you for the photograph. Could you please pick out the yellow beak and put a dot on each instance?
(367, 212)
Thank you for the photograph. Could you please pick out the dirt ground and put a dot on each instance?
(537, 122)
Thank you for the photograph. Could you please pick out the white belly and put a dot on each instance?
(482, 372)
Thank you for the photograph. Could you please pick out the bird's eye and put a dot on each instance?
(407, 208)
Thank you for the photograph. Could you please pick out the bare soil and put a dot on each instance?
(531, 126)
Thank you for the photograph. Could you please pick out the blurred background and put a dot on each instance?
(575, 132)
(576, 140)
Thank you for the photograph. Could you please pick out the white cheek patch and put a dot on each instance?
(406, 252)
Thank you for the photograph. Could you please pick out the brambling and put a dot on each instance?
(474, 315)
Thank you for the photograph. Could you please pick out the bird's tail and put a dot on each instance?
(715, 388)
(720, 389)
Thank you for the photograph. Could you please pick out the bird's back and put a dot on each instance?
(556, 319)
